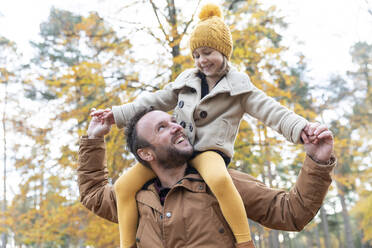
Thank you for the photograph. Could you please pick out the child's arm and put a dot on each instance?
(264, 108)
(164, 99)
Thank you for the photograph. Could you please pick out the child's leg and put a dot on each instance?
(212, 168)
(126, 188)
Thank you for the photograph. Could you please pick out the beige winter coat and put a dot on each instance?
(212, 123)
(190, 216)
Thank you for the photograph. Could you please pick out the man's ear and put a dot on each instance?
(146, 154)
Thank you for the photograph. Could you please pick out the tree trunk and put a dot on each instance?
(317, 236)
(274, 240)
(287, 240)
(323, 216)
(309, 239)
(175, 36)
(363, 244)
(4, 237)
(267, 239)
(347, 226)
(260, 236)
(253, 234)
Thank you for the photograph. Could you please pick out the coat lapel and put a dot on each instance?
(150, 198)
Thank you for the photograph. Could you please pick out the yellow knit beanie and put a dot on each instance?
(211, 31)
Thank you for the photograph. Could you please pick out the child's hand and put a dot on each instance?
(308, 134)
(103, 115)
(318, 142)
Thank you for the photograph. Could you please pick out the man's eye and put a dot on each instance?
(161, 127)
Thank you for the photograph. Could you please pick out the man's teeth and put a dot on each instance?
(179, 140)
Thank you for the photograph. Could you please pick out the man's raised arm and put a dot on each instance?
(95, 192)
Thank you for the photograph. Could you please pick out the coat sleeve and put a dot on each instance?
(264, 108)
(95, 192)
(286, 210)
(164, 99)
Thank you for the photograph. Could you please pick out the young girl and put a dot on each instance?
(209, 103)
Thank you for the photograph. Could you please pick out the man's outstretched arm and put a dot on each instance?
(292, 210)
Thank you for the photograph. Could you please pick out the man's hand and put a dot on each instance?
(97, 128)
(318, 142)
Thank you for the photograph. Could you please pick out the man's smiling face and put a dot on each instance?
(169, 144)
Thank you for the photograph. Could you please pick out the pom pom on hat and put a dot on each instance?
(210, 10)
(211, 31)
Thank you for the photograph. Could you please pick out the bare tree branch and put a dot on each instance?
(369, 10)
(134, 3)
(157, 38)
(190, 21)
(231, 6)
(157, 17)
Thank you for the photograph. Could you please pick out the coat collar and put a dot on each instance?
(234, 82)
(149, 196)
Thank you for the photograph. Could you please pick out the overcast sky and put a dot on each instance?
(326, 28)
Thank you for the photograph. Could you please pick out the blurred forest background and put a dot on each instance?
(82, 62)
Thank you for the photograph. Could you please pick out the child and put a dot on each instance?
(209, 102)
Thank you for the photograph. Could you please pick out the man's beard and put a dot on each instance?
(171, 157)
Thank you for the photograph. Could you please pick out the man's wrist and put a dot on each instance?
(94, 137)
(85, 140)
(321, 161)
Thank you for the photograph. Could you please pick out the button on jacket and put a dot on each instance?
(190, 216)
(215, 118)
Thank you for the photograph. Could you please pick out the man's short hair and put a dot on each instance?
(135, 141)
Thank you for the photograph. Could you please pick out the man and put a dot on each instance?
(177, 209)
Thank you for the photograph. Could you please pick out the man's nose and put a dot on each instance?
(176, 127)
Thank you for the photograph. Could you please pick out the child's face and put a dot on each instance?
(208, 60)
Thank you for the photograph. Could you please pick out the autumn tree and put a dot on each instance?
(348, 99)
(81, 63)
(9, 85)
(360, 120)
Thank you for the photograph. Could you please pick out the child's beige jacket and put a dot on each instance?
(212, 123)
